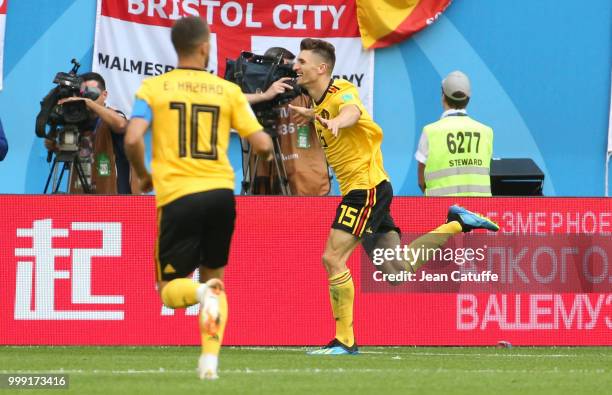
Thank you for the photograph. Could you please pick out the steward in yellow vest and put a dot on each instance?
(454, 153)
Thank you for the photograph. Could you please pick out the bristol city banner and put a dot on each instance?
(2, 29)
(132, 40)
(79, 270)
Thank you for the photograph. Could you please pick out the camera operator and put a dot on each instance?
(101, 143)
(303, 157)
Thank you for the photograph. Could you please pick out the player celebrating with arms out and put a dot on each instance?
(352, 142)
(191, 112)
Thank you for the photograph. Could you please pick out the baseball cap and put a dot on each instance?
(456, 85)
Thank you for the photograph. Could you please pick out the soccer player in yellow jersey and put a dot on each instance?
(191, 112)
(352, 141)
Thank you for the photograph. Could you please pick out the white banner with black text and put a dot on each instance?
(132, 39)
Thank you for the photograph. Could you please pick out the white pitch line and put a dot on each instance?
(391, 351)
(193, 371)
(304, 371)
(295, 349)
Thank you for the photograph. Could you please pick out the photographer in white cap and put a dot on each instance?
(454, 153)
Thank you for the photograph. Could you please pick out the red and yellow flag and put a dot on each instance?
(386, 22)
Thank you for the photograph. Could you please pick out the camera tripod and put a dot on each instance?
(249, 172)
(69, 162)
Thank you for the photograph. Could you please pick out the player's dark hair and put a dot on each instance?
(91, 76)
(322, 48)
(456, 104)
(275, 52)
(188, 33)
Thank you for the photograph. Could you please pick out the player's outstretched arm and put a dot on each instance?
(135, 151)
(348, 116)
(305, 115)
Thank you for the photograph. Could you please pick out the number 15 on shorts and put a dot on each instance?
(347, 216)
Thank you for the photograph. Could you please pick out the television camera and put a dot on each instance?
(64, 124)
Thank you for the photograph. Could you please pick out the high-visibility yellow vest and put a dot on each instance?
(459, 157)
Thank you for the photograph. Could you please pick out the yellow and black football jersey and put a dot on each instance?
(191, 114)
(355, 154)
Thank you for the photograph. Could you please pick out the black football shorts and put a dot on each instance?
(366, 211)
(194, 230)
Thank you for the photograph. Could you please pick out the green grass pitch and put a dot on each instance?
(287, 370)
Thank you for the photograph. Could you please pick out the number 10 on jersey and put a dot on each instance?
(210, 131)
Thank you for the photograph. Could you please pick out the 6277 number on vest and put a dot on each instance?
(461, 142)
